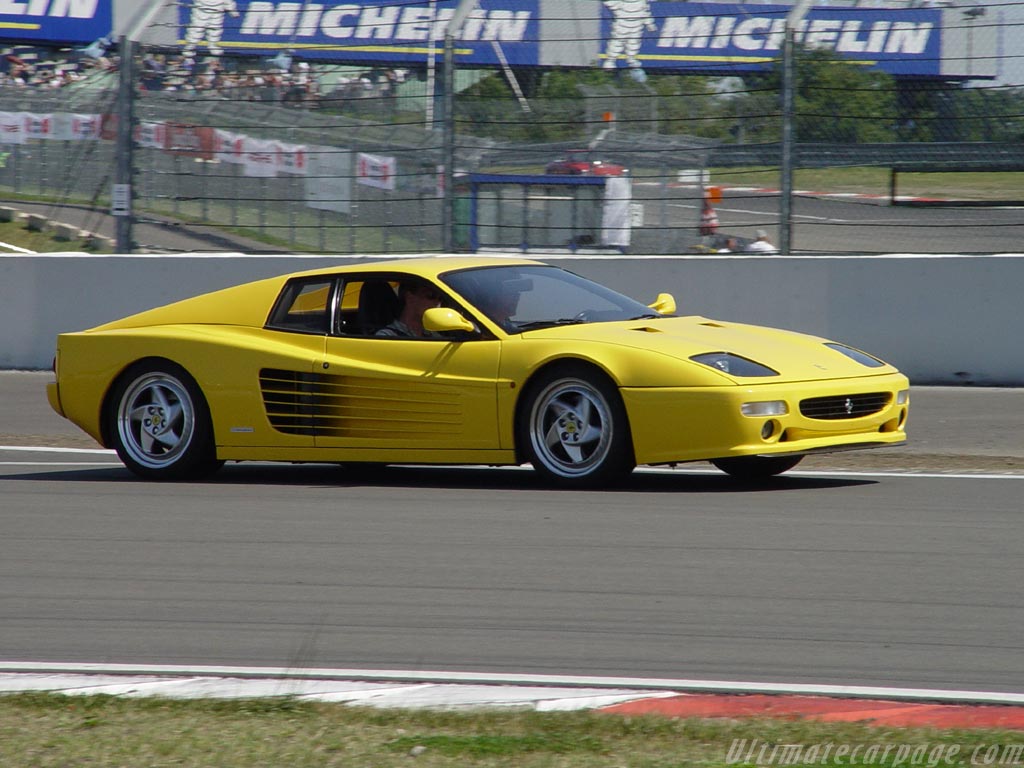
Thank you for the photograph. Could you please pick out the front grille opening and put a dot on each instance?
(835, 407)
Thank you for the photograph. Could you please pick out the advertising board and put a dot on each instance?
(692, 36)
(55, 21)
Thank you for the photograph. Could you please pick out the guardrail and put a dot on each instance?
(941, 319)
(953, 155)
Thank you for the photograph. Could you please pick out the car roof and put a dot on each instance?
(429, 266)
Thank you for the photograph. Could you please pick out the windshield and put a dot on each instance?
(521, 298)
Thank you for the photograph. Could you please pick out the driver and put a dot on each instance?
(417, 298)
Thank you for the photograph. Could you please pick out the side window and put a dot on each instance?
(377, 305)
(303, 307)
(369, 306)
(366, 305)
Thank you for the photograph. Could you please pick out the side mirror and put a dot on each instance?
(665, 304)
(441, 319)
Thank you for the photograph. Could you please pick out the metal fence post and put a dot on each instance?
(121, 199)
(452, 28)
(448, 142)
(793, 20)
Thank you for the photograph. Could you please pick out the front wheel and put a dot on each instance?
(756, 467)
(574, 429)
(160, 424)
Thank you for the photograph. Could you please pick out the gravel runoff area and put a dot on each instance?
(951, 429)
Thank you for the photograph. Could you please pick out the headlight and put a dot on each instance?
(765, 408)
(903, 397)
(855, 354)
(732, 364)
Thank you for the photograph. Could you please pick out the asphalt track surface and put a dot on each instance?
(822, 578)
(841, 224)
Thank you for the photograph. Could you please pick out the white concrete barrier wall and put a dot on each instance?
(941, 319)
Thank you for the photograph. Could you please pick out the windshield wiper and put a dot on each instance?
(533, 325)
(647, 316)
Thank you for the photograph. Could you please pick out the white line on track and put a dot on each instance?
(807, 217)
(484, 678)
(929, 475)
(856, 473)
(770, 214)
(15, 248)
(54, 449)
(766, 214)
(60, 464)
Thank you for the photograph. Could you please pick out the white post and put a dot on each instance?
(431, 71)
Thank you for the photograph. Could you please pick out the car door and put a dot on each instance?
(383, 392)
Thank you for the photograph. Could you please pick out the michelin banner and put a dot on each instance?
(633, 34)
(373, 30)
(730, 38)
(55, 21)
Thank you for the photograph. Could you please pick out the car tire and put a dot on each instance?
(574, 429)
(756, 467)
(159, 423)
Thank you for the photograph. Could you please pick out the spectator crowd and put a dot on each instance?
(298, 84)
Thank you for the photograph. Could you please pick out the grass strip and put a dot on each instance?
(15, 233)
(50, 730)
(967, 185)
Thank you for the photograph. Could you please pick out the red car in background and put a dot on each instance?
(578, 162)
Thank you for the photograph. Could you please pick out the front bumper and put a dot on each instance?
(53, 396)
(700, 423)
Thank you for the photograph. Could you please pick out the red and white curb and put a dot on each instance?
(372, 688)
(545, 693)
(801, 193)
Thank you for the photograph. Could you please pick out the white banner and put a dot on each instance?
(76, 127)
(39, 126)
(228, 147)
(292, 158)
(151, 135)
(12, 128)
(260, 157)
(329, 179)
(376, 171)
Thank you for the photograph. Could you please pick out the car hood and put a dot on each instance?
(796, 356)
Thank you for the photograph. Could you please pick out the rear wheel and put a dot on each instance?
(756, 467)
(160, 423)
(574, 429)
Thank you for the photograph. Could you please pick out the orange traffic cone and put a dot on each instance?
(708, 219)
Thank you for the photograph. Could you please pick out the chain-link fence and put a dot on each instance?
(306, 154)
(288, 175)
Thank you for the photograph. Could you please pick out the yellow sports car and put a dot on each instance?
(464, 361)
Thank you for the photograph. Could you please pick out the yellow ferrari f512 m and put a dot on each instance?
(464, 361)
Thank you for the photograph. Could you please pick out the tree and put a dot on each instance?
(992, 113)
(836, 99)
